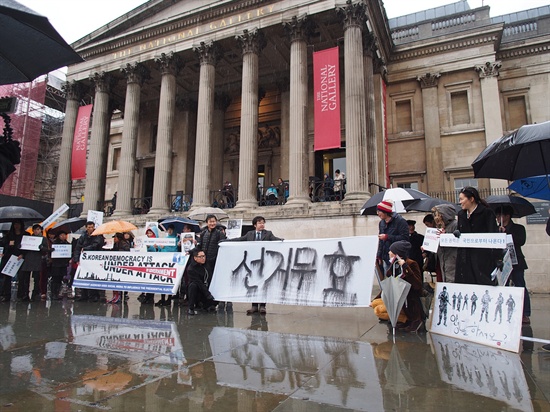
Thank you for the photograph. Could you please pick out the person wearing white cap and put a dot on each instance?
(392, 227)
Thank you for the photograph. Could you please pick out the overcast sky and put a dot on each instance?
(74, 19)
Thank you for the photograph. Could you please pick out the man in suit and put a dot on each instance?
(258, 234)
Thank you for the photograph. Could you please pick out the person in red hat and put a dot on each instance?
(392, 227)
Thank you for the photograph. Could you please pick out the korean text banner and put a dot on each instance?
(80, 143)
(326, 89)
(132, 272)
(312, 272)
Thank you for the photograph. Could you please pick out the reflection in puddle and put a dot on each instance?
(321, 369)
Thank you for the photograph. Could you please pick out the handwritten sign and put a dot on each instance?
(31, 242)
(12, 266)
(489, 315)
(431, 240)
(53, 217)
(474, 240)
(96, 217)
(159, 241)
(61, 251)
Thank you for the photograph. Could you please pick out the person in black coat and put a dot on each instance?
(391, 228)
(198, 281)
(59, 266)
(209, 240)
(32, 265)
(11, 244)
(416, 240)
(87, 242)
(475, 265)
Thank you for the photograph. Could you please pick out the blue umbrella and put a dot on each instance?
(536, 187)
(179, 223)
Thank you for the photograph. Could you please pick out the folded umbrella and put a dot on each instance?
(394, 294)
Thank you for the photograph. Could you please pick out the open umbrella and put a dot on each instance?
(11, 213)
(69, 225)
(536, 187)
(200, 213)
(426, 205)
(179, 223)
(400, 196)
(114, 226)
(521, 207)
(29, 45)
(522, 153)
(394, 294)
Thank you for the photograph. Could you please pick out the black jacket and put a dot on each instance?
(197, 273)
(88, 243)
(209, 243)
(267, 235)
(396, 229)
(520, 237)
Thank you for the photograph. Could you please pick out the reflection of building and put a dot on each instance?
(196, 96)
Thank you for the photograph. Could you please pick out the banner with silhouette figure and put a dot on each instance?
(313, 272)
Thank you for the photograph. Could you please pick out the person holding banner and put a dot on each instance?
(87, 242)
(10, 245)
(58, 266)
(199, 279)
(519, 237)
(445, 218)
(173, 249)
(32, 265)
(475, 265)
(151, 232)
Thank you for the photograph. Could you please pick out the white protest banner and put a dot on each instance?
(503, 275)
(95, 216)
(61, 251)
(243, 356)
(234, 228)
(31, 242)
(474, 240)
(132, 272)
(187, 241)
(159, 241)
(511, 249)
(53, 217)
(431, 240)
(12, 266)
(490, 315)
(313, 272)
(458, 362)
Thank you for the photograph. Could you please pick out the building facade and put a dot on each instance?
(190, 94)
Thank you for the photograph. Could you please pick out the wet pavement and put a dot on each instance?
(75, 356)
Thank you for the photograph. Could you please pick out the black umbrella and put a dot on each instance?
(522, 153)
(29, 45)
(426, 205)
(400, 196)
(521, 207)
(70, 225)
(11, 213)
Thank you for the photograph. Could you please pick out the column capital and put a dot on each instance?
(136, 73)
(102, 81)
(369, 44)
(73, 90)
(489, 69)
(298, 28)
(169, 63)
(353, 14)
(428, 80)
(208, 53)
(251, 41)
(221, 101)
(186, 104)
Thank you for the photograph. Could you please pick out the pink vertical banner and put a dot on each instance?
(326, 89)
(80, 143)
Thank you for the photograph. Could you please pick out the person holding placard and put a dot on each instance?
(445, 218)
(475, 265)
(58, 266)
(11, 244)
(87, 242)
(519, 237)
(32, 265)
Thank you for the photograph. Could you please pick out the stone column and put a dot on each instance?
(208, 54)
(221, 103)
(492, 116)
(96, 165)
(251, 42)
(356, 130)
(298, 30)
(73, 92)
(169, 65)
(135, 74)
(369, 43)
(285, 129)
(432, 131)
(184, 145)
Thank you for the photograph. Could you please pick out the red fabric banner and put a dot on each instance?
(326, 89)
(80, 143)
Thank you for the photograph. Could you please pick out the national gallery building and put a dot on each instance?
(188, 95)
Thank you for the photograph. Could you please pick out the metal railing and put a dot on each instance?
(141, 205)
(180, 202)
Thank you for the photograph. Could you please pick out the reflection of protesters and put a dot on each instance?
(511, 304)
(485, 299)
(498, 310)
(443, 302)
(474, 302)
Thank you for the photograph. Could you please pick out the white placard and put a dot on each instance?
(474, 240)
(159, 241)
(12, 266)
(31, 243)
(511, 249)
(313, 272)
(61, 251)
(53, 217)
(96, 217)
(503, 275)
(234, 228)
(490, 315)
(431, 240)
(187, 241)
